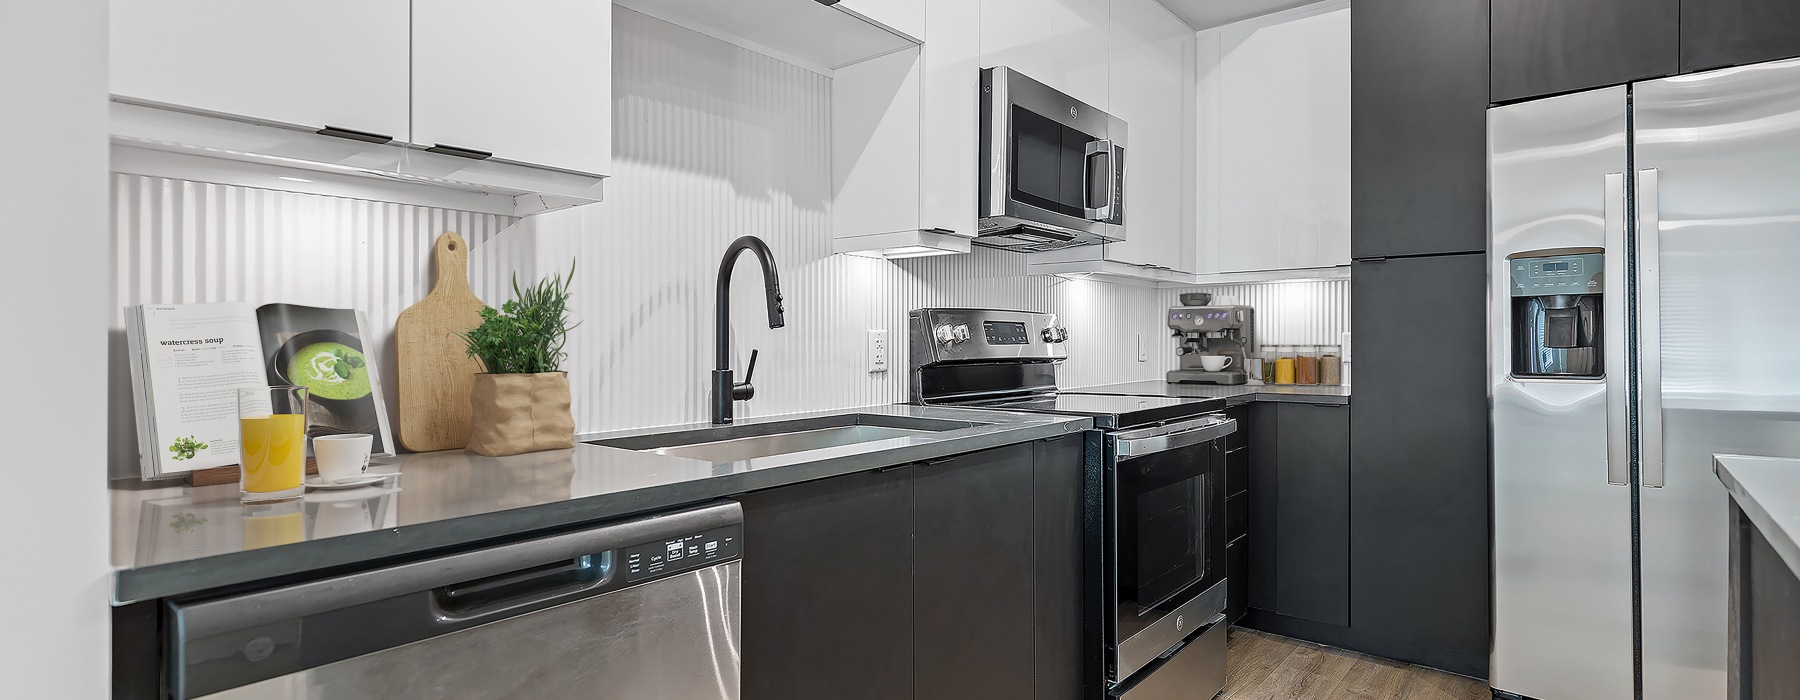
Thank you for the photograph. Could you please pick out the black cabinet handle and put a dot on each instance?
(461, 152)
(354, 135)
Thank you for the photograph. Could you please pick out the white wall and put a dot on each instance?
(53, 198)
(711, 142)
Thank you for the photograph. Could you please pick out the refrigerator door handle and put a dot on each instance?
(1649, 326)
(1618, 406)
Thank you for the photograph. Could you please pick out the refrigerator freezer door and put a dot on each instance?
(1725, 146)
(1562, 532)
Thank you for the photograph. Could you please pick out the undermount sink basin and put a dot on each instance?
(732, 443)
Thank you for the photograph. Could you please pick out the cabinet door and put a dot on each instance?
(828, 589)
(1419, 453)
(1544, 47)
(1150, 87)
(973, 629)
(904, 16)
(1057, 472)
(949, 117)
(1418, 135)
(1283, 155)
(340, 63)
(1717, 33)
(536, 88)
(1081, 43)
(1017, 34)
(1312, 505)
(1264, 469)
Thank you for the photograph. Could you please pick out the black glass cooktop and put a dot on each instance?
(1108, 412)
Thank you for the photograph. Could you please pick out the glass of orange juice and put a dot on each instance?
(272, 442)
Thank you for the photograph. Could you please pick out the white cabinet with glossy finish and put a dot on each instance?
(1149, 84)
(904, 16)
(1274, 143)
(338, 63)
(529, 81)
(904, 140)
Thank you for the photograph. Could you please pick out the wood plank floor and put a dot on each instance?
(1261, 666)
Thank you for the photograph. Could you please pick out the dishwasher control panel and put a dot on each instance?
(653, 559)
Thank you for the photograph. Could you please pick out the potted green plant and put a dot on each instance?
(521, 401)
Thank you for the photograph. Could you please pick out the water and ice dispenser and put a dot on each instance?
(1556, 306)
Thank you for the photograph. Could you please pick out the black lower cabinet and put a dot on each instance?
(1300, 511)
(1716, 33)
(973, 635)
(1419, 486)
(1056, 547)
(957, 578)
(1765, 614)
(828, 589)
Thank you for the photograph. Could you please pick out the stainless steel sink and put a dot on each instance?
(732, 443)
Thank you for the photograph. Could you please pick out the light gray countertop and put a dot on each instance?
(1768, 490)
(1234, 395)
(171, 540)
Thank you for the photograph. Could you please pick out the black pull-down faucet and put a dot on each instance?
(724, 388)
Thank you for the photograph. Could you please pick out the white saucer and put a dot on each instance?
(318, 483)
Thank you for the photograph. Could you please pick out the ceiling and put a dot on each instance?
(1204, 14)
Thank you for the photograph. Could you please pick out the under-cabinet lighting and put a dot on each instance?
(292, 179)
(901, 245)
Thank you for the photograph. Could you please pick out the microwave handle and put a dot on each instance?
(1103, 147)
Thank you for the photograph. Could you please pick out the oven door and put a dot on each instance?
(1166, 564)
(1055, 169)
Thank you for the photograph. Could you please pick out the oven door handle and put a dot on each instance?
(1127, 445)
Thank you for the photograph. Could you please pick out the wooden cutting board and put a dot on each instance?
(436, 372)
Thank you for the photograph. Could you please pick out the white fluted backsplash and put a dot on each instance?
(1295, 312)
(711, 142)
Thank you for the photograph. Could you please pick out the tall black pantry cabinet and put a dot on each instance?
(1419, 485)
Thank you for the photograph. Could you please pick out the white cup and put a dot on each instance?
(342, 456)
(1210, 363)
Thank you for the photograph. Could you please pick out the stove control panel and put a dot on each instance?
(962, 335)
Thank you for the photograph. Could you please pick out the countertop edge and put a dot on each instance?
(1779, 536)
(156, 581)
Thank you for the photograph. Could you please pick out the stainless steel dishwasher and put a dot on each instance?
(639, 609)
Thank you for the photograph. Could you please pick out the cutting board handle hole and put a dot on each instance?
(453, 246)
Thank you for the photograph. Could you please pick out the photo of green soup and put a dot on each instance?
(330, 370)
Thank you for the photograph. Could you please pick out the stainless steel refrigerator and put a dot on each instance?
(1644, 315)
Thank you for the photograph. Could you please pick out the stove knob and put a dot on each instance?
(1056, 334)
(944, 335)
(960, 333)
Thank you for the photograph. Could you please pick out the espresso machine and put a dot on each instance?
(1203, 330)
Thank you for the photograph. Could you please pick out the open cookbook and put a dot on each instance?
(189, 360)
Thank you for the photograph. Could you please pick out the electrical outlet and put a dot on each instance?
(878, 351)
(1143, 355)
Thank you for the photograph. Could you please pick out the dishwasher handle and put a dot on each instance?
(527, 589)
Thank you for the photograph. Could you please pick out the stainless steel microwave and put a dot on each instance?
(1052, 167)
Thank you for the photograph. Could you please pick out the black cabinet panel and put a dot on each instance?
(1263, 492)
(1057, 555)
(1312, 529)
(1237, 582)
(972, 551)
(1717, 33)
(1419, 452)
(1418, 134)
(1544, 47)
(1237, 517)
(1765, 615)
(828, 589)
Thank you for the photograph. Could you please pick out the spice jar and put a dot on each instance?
(1269, 354)
(1331, 365)
(1306, 364)
(1284, 364)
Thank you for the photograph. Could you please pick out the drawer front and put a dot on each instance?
(1237, 470)
(1237, 517)
(1237, 580)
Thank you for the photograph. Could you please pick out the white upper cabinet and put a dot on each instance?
(1082, 41)
(1020, 34)
(903, 16)
(323, 63)
(1274, 142)
(528, 81)
(905, 140)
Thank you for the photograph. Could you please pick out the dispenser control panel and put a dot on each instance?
(1557, 274)
(652, 559)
